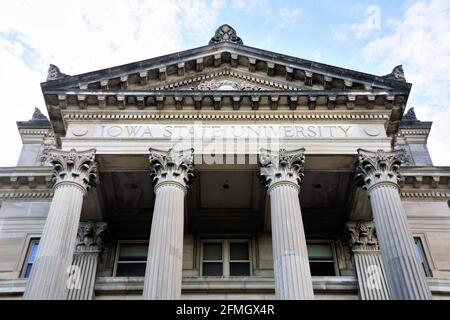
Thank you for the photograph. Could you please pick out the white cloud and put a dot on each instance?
(81, 36)
(18, 102)
(340, 33)
(421, 42)
(198, 14)
(247, 5)
(372, 23)
(345, 32)
(289, 15)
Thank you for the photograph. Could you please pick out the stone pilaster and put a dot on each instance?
(84, 266)
(282, 173)
(363, 243)
(378, 173)
(171, 171)
(74, 174)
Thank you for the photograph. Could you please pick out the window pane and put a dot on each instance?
(133, 252)
(33, 253)
(27, 270)
(212, 269)
(322, 268)
(239, 269)
(212, 251)
(419, 250)
(130, 269)
(320, 251)
(421, 255)
(239, 251)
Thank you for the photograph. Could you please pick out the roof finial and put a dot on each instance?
(225, 33)
(54, 73)
(38, 115)
(396, 74)
(410, 115)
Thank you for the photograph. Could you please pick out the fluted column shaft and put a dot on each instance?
(282, 172)
(290, 256)
(48, 279)
(85, 260)
(165, 253)
(171, 171)
(74, 174)
(83, 273)
(363, 243)
(378, 173)
(371, 278)
(404, 274)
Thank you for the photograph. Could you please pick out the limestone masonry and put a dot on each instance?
(225, 172)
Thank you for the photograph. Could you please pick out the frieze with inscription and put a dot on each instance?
(169, 132)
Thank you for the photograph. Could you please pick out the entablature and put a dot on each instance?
(26, 182)
(425, 182)
(182, 104)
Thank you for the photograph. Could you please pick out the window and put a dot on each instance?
(322, 259)
(422, 257)
(131, 259)
(30, 258)
(226, 258)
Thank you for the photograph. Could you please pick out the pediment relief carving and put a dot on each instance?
(225, 79)
(227, 84)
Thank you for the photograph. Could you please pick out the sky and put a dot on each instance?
(87, 35)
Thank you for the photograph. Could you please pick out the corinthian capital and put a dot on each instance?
(171, 166)
(282, 166)
(378, 167)
(361, 235)
(74, 167)
(90, 236)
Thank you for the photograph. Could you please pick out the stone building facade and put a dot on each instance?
(225, 172)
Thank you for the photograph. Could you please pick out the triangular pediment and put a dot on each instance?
(230, 59)
(234, 73)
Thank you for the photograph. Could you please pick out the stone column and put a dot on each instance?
(378, 173)
(84, 266)
(171, 171)
(282, 173)
(363, 243)
(74, 174)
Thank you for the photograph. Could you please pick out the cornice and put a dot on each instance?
(26, 183)
(256, 60)
(39, 132)
(425, 177)
(281, 116)
(122, 99)
(407, 132)
(7, 195)
(425, 195)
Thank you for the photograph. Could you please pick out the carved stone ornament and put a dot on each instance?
(38, 115)
(282, 166)
(90, 236)
(74, 167)
(410, 115)
(47, 145)
(225, 33)
(379, 167)
(54, 73)
(226, 85)
(172, 166)
(361, 235)
(396, 74)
